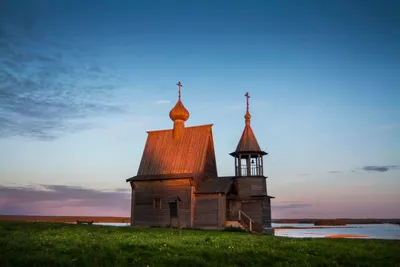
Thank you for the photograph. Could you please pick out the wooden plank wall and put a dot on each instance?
(133, 197)
(253, 209)
(222, 210)
(257, 208)
(210, 211)
(266, 212)
(144, 213)
(248, 186)
(234, 206)
(210, 167)
(193, 204)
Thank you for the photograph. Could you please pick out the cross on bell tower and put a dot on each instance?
(247, 101)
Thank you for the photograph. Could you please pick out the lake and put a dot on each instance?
(370, 231)
(305, 230)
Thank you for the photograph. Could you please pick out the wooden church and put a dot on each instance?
(179, 164)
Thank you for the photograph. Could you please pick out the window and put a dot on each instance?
(157, 203)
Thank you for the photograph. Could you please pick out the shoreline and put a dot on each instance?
(110, 219)
(95, 219)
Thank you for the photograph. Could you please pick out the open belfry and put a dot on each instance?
(179, 164)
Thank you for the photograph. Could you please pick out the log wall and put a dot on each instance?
(257, 208)
(133, 197)
(145, 213)
(250, 186)
(253, 209)
(210, 211)
(266, 211)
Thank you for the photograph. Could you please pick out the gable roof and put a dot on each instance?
(248, 142)
(215, 185)
(165, 156)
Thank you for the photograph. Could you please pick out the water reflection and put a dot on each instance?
(112, 224)
(370, 231)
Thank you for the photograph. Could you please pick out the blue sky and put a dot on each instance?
(82, 81)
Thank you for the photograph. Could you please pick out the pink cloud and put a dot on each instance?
(57, 200)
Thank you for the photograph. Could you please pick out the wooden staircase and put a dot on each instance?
(248, 223)
(245, 222)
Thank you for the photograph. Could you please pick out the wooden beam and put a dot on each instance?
(192, 204)
(133, 203)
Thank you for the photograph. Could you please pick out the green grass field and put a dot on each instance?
(47, 244)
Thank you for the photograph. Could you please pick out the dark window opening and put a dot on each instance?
(157, 203)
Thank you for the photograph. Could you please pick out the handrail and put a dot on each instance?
(248, 217)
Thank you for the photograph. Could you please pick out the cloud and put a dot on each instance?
(46, 89)
(63, 200)
(123, 190)
(375, 168)
(334, 171)
(162, 101)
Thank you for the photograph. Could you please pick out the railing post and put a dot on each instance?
(251, 226)
(240, 217)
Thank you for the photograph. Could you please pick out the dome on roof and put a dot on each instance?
(179, 112)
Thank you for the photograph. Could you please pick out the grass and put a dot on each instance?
(52, 244)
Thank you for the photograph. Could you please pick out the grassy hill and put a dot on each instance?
(52, 244)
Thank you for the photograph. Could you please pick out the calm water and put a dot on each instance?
(371, 231)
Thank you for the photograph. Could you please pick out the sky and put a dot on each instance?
(82, 81)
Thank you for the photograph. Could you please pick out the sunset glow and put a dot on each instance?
(81, 82)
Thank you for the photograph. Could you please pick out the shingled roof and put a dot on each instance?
(167, 158)
(248, 141)
(215, 185)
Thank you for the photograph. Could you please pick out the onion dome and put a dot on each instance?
(179, 112)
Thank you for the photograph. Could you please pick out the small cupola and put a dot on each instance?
(179, 114)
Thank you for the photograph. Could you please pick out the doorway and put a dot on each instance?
(232, 209)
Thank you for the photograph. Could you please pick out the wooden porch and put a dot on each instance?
(235, 217)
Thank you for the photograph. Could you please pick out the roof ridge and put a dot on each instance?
(186, 127)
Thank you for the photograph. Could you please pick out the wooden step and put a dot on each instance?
(236, 224)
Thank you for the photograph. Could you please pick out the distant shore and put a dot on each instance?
(105, 219)
(64, 219)
(338, 221)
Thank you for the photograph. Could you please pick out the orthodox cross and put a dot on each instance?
(179, 90)
(247, 101)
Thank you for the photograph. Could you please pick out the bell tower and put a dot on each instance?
(248, 154)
